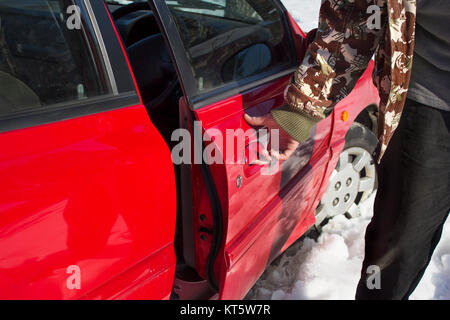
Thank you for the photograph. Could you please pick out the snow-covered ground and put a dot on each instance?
(329, 268)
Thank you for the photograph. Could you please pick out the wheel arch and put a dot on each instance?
(368, 117)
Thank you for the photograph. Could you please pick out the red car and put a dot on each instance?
(91, 203)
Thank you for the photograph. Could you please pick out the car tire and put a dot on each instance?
(353, 180)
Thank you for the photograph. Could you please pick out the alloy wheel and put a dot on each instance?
(352, 181)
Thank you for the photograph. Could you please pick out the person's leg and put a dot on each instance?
(412, 203)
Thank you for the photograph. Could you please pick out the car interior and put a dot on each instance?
(151, 63)
(158, 84)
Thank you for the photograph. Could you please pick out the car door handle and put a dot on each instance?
(254, 147)
(252, 152)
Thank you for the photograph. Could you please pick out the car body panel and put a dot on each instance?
(92, 198)
(98, 192)
(266, 210)
(261, 214)
(91, 192)
(291, 213)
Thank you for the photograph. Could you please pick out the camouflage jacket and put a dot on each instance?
(346, 40)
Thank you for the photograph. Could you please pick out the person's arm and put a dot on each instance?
(334, 61)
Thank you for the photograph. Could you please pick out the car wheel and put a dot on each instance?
(354, 178)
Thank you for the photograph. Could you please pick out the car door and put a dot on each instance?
(235, 57)
(87, 195)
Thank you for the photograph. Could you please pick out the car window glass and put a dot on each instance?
(48, 56)
(247, 62)
(230, 40)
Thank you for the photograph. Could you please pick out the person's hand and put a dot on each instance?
(286, 144)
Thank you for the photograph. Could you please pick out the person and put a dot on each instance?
(413, 156)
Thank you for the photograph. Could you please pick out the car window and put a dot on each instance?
(247, 62)
(48, 56)
(239, 10)
(230, 40)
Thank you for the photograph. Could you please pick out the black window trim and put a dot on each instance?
(125, 96)
(65, 111)
(101, 44)
(175, 46)
(184, 71)
(232, 89)
(116, 56)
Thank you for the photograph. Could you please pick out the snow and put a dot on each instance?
(330, 267)
(305, 12)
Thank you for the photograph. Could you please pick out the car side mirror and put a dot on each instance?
(247, 62)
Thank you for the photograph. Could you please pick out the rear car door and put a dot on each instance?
(87, 195)
(235, 57)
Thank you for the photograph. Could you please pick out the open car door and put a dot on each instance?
(235, 57)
